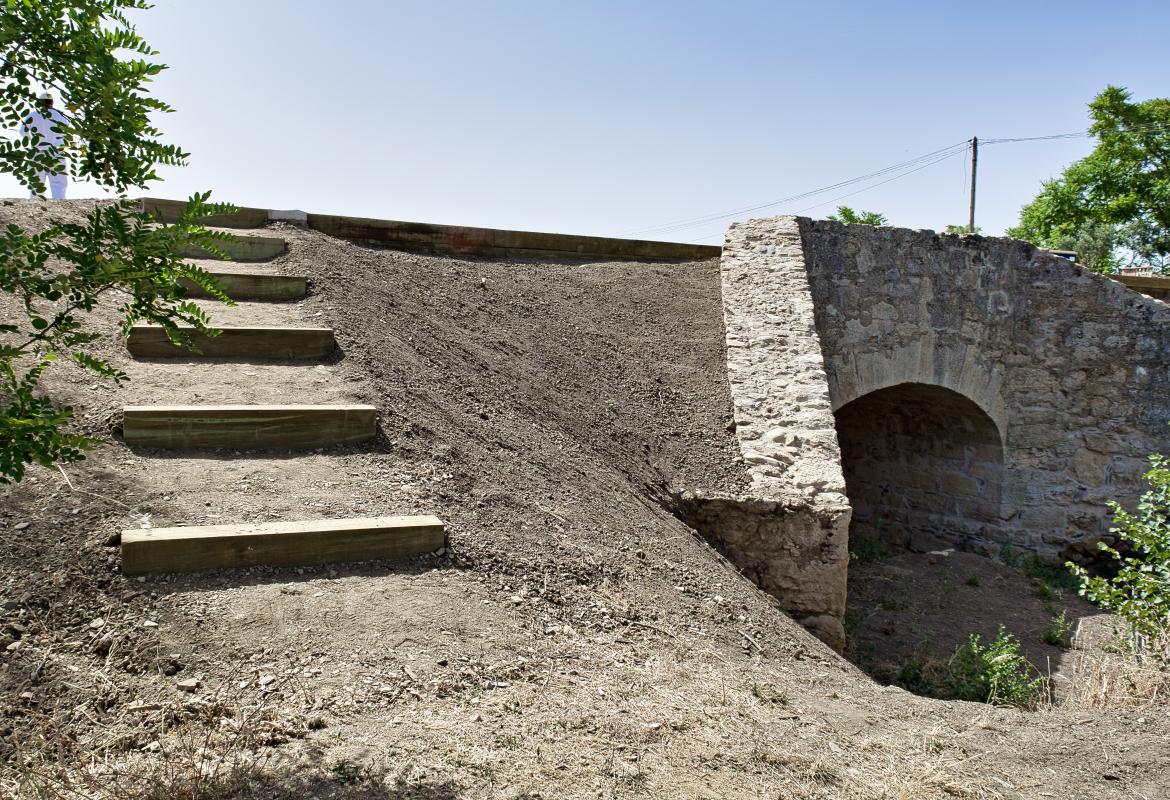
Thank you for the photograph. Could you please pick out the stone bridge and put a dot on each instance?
(929, 391)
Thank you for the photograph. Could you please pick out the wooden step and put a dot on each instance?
(247, 427)
(150, 341)
(243, 248)
(278, 544)
(254, 286)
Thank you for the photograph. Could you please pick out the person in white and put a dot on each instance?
(47, 121)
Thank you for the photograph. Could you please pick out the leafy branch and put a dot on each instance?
(91, 54)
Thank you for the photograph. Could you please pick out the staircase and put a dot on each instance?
(257, 427)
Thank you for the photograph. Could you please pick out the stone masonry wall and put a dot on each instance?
(923, 467)
(790, 533)
(1073, 368)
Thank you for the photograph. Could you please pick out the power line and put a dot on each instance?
(948, 156)
(888, 180)
(708, 218)
(904, 168)
(1147, 128)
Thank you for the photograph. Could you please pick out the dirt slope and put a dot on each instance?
(576, 640)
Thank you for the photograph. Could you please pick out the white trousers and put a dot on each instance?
(57, 184)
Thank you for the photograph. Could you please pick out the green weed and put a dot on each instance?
(1058, 632)
(995, 673)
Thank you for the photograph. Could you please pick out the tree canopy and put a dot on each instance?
(1114, 204)
(847, 214)
(87, 53)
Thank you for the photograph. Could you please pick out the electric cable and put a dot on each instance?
(904, 168)
(706, 218)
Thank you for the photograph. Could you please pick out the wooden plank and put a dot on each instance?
(278, 544)
(150, 341)
(241, 427)
(170, 210)
(255, 286)
(424, 237)
(243, 248)
(459, 239)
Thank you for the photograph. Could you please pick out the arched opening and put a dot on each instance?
(923, 468)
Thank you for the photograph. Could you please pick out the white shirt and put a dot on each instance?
(46, 124)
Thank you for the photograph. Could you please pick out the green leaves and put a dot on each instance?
(60, 274)
(1140, 591)
(31, 427)
(90, 56)
(995, 672)
(72, 47)
(1119, 194)
(93, 60)
(847, 214)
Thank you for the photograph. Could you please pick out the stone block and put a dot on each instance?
(955, 483)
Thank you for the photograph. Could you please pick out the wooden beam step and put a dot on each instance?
(244, 248)
(254, 286)
(278, 544)
(247, 427)
(150, 341)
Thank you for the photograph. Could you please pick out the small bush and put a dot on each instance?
(1058, 632)
(349, 773)
(975, 581)
(1140, 591)
(1045, 593)
(995, 673)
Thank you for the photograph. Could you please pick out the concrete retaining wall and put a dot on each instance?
(1155, 286)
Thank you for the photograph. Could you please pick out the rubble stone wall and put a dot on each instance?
(790, 532)
(983, 393)
(1072, 368)
(921, 461)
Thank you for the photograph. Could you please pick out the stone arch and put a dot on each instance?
(924, 467)
(961, 369)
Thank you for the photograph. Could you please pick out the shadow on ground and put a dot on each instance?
(912, 606)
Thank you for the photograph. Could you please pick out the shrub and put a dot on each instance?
(1058, 631)
(994, 673)
(1140, 591)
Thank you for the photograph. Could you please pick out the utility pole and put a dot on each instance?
(974, 167)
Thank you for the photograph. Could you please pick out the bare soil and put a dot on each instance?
(574, 639)
(925, 606)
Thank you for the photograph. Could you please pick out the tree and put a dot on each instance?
(960, 230)
(1097, 245)
(1123, 184)
(847, 214)
(88, 53)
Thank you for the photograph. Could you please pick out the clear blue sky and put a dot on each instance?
(609, 117)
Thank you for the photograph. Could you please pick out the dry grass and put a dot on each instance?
(202, 748)
(1113, 671)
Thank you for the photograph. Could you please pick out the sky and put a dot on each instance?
(620, 118)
